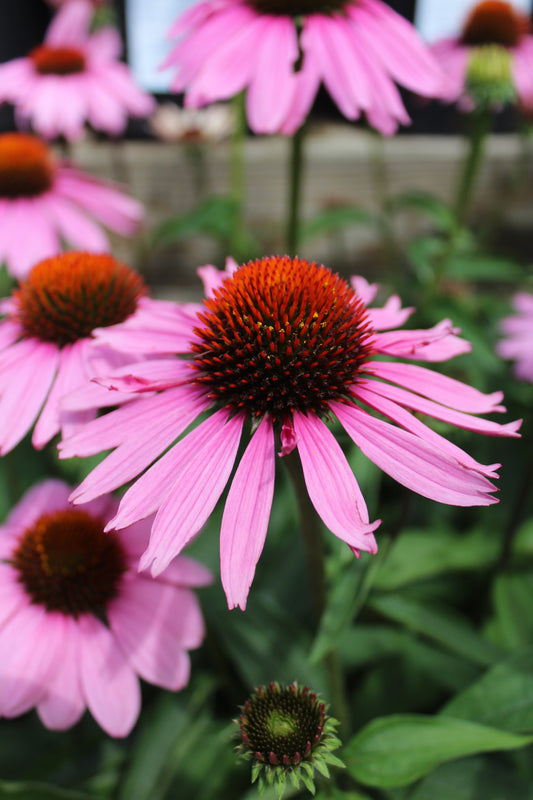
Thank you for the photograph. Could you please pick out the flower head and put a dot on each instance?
(47, 348)
(170, 123)
(281, 51)
(78, 624)
(72, 78)
(490, 62)
(518, 332)
(280, 347)
(287, 733)
(44, 201)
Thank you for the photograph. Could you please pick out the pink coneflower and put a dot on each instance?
(280, 346)
(46, 345)
(72, 78)
(495, 46)
(78, 624)
(44, 201)
(281, 50)
(518, 330)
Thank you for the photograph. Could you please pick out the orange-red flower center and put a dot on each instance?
(495, 22)
(66, 297)
(66, 563)
(49, 60)
(279, 335)
(26, 166)
(297, 8)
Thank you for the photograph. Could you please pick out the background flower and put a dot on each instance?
(281, 52)
(518, 332)
(45, 201)
(72, 78)
(283, 344)
(78, 624)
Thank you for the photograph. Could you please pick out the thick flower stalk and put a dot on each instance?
(279, 348)
(74, 77)
(280, 51)
(490, 62)
(45, 202)
(47, 347)
(517, 343)
(286, 733)
(78, 623)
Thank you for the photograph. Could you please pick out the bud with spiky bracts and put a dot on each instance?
(489, 80)
(286, 733)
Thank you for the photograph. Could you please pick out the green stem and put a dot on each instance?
(237, 174)
(312, 535)
(196, 157)
(295, 191)
(479, 128)
(378, 163)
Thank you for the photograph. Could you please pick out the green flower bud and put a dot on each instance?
(489, 80)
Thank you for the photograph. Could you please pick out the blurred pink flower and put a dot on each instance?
(490, 24)
(281, 345)
(281, 50)
(78, 624)
(44, 200)
(46, 345)
(72, 78)
(518, 332)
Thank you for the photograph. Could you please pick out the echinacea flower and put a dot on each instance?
(279, 346)
(287, 733)
(192, 125)
(78, 623)
(491, 58)
(518, 331)
(44, 201)
(282, 50)
(46, 345)
(74, 77)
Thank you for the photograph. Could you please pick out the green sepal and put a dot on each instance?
(322, 767)
(308, 783)
(256, 771)
(333, 760)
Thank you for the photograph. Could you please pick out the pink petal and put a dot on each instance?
(109, 684)
(45, 496)
(439, 343)
(413, 462)
(331, 484)
(62, 704)
(149, 376)
(71, 24)
(199, 479)
(246, 515)
(155, 623)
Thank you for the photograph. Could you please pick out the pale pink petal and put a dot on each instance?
(366, 291)
(199, 482)
(12, 595)
(109, 684)
(439, 343)
(71, 24)
(439, 387)
(137, 452)
(30, 647)
(148, 376)
(104, 44)
(121, 87)
(63, 704)
(74, 226)
(331, 484)
(186, 572)
(412, 461)
(48, 495)
(392, 315)
(246, 515)
(155, 623)
(25, 251)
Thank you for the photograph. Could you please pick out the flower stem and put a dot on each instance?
(295, 191)
(480, 120)
(237, 174)
(312, 535)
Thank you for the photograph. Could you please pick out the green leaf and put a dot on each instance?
(397, 750)
(477, 777)
(37, 791)
(437, 552)
(512, 623)
(482, 268)
(334, 219)
(338, 794)
(450, 630)
(427, 204)
(502, 697)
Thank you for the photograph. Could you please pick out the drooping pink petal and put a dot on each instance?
(198, 483)
(246, 515)
(439, 343)
(331, 484)
(413, 462)
(62, 704)
(109, 684)
(148, 376)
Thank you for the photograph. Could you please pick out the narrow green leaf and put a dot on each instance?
(397, 750)
(450, 630)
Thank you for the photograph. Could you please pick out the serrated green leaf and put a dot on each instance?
(398, 750)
